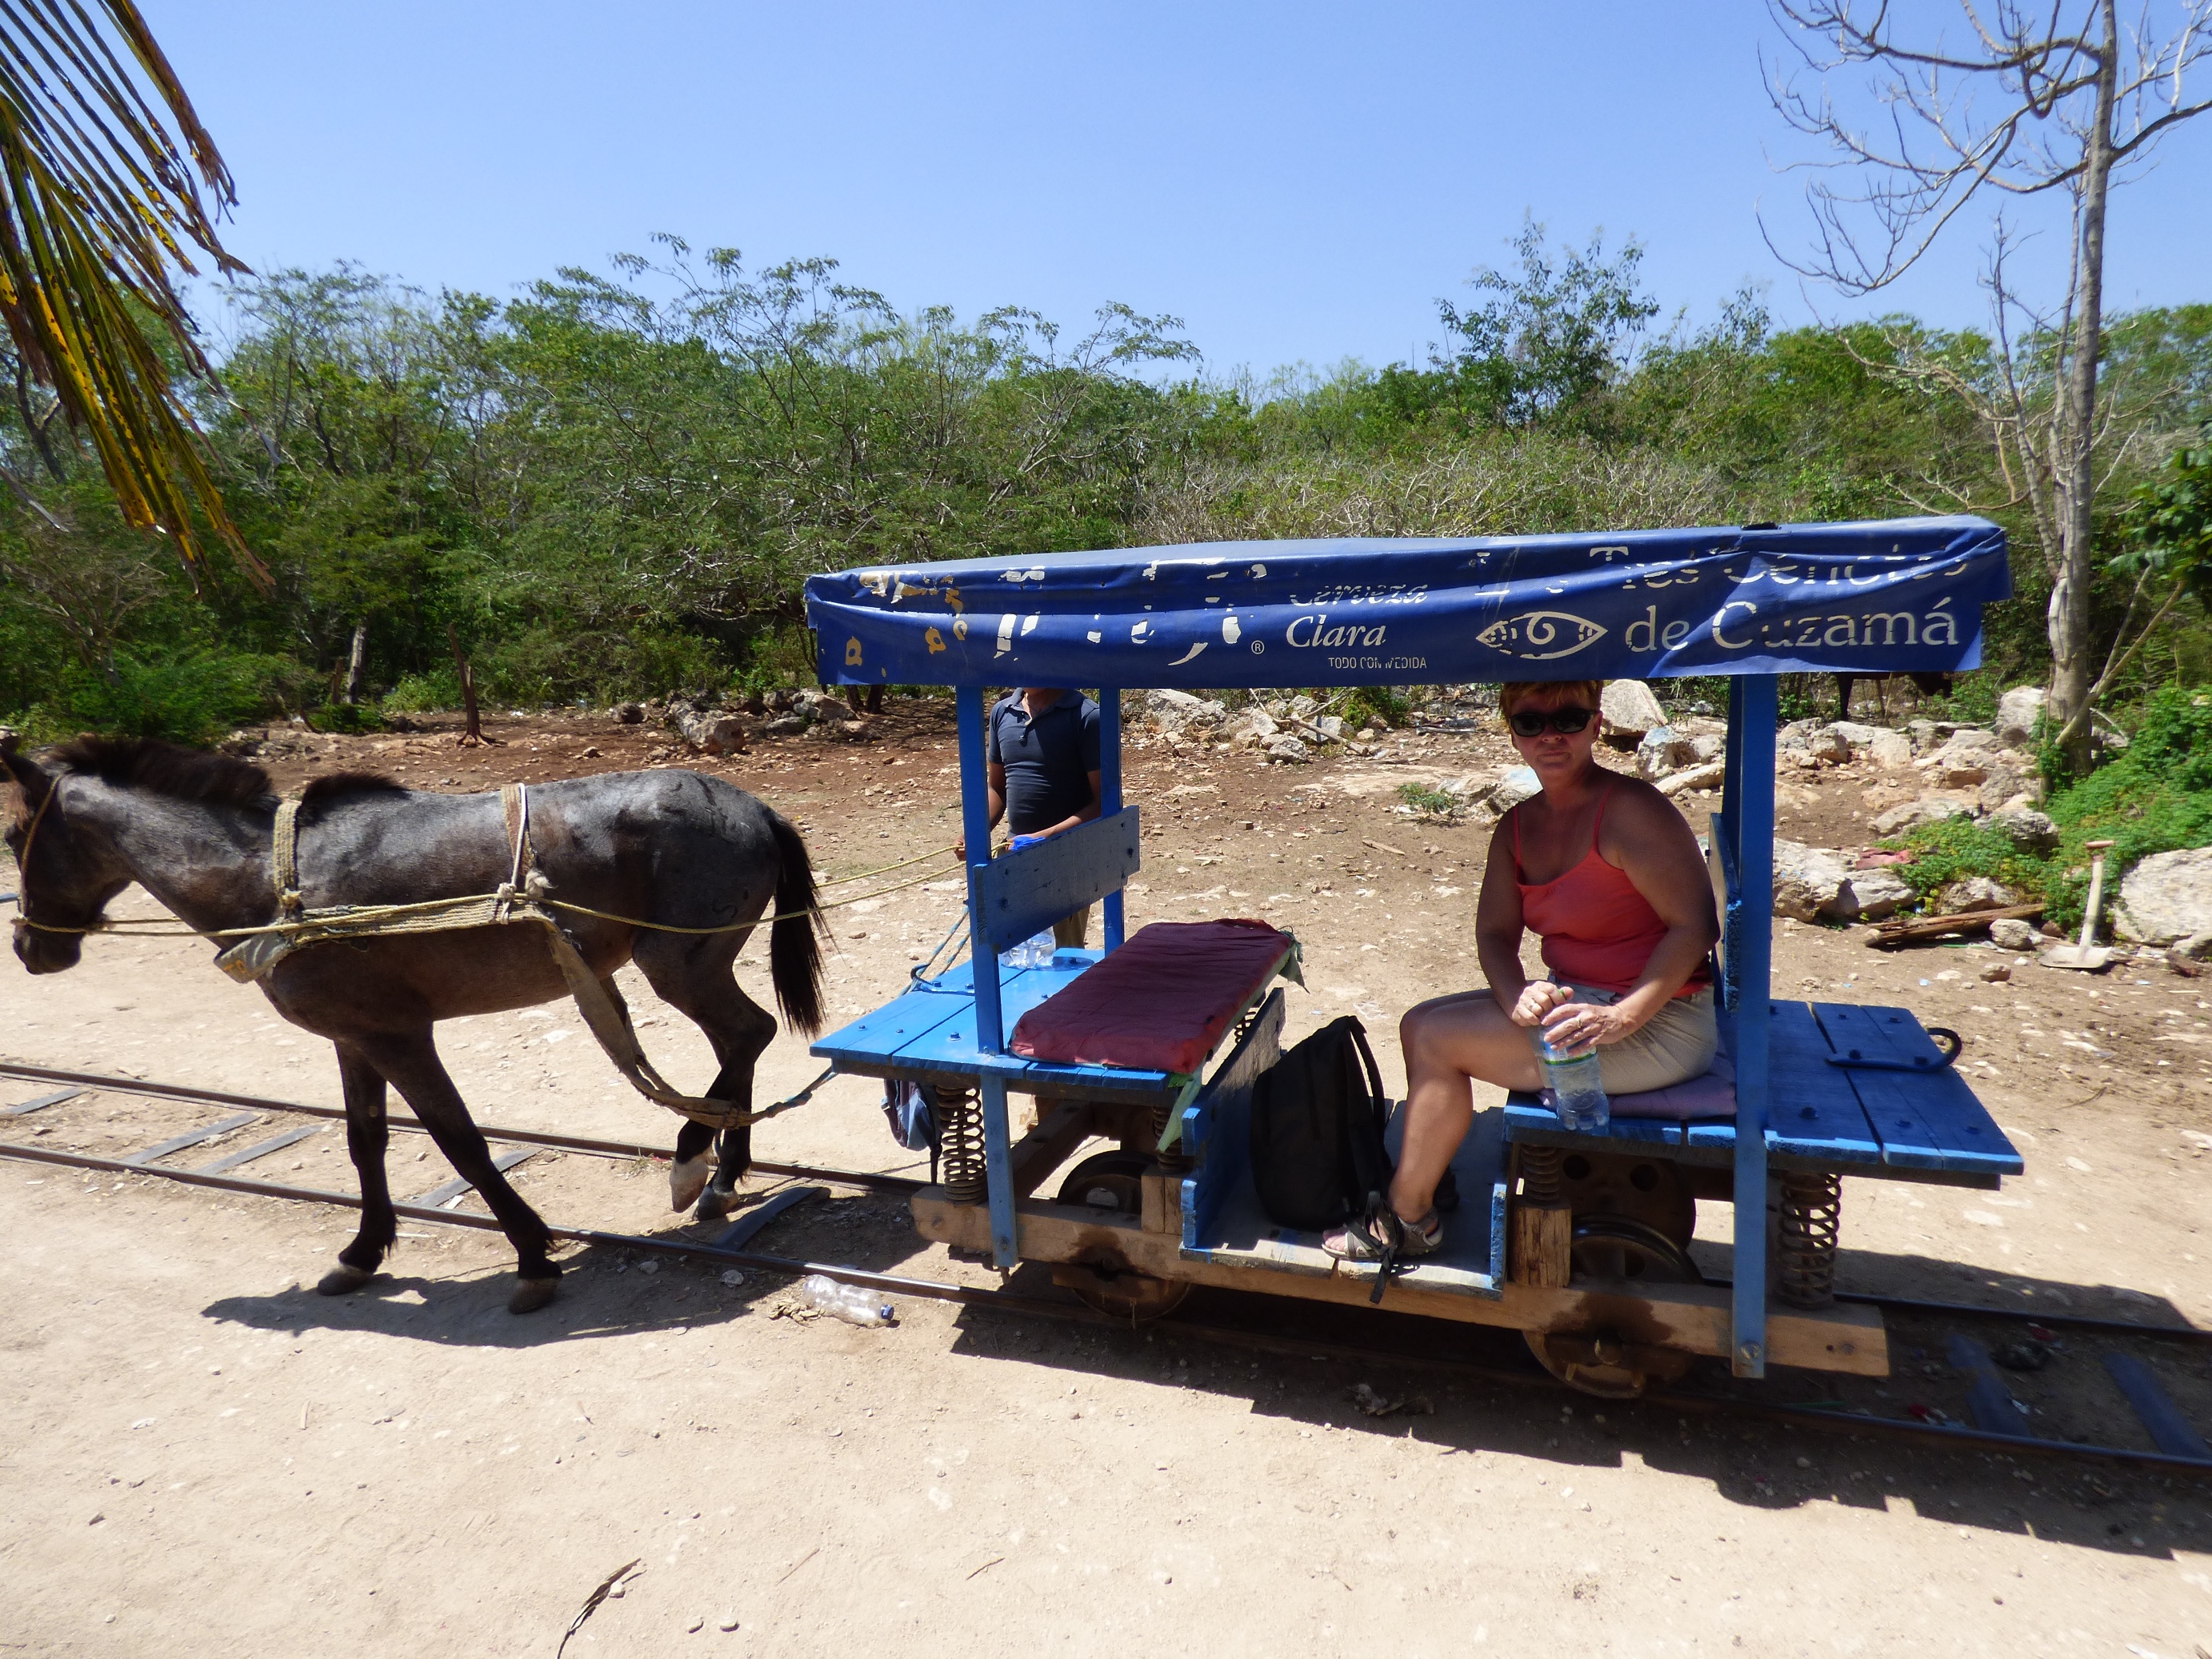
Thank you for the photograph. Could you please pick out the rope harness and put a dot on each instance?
(523, 896)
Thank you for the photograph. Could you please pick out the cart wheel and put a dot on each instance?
(1106, 1182)
(1601, 1362)
(1110, 1183)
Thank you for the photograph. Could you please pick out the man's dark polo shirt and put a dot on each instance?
(1048, 760)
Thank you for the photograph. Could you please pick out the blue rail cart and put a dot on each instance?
(1579, 1240)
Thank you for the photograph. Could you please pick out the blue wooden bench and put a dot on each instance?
(1918, 1124)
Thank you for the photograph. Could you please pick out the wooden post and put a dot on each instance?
(1543, 1235)
(474, 735)
(356, 664)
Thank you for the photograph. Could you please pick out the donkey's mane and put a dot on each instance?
(338, 785)
(163, 768)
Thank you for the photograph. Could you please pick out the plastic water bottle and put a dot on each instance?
(850, 1303)
(1578, 1086)
(1035, 951)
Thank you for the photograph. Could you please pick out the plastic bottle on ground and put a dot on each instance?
(1578, 1086)
(850, 1303)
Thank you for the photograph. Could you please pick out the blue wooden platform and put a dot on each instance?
(929, 1034)
(1920, 1124)
(1223, 1222)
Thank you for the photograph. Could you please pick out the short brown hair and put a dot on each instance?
(1513, 692)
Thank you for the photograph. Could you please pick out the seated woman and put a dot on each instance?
(1604, 870)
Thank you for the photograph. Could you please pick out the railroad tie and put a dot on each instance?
(192, 1138)
(2169, 1429)
(259, 1149)
(41, 1102)
(452, 1192)
(1994, 1409)
(739, 1233)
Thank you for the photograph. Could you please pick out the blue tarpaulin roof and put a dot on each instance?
(1885, 597)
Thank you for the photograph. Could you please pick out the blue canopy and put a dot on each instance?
(1881, 597)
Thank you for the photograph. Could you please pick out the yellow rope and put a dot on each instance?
(396, 918)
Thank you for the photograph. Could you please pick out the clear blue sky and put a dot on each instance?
(1298, 182)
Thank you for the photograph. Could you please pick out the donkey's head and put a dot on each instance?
(66, 878)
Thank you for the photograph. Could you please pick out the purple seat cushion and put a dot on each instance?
(1712, 1095)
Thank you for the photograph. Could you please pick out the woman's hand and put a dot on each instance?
(1578, 1027)
(1538, 998)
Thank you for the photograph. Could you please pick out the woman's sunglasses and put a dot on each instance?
(1532, 723)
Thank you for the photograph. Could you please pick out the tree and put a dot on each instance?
(2054, 101)
(1553, 335)
(98, 205)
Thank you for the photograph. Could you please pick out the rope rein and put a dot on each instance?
(522, 897)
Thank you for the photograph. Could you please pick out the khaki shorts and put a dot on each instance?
(1677, 1043)
(1069, 933)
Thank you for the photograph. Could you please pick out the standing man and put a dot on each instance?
(1041, 749)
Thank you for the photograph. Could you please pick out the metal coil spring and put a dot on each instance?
(1540, 1179)
(967, 1180)
(1805, 1255)
(1175, 1160)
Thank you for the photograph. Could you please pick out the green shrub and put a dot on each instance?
(1375, 705)
(193, 696)
(1952, 849)
(1422, 799)
(416, 694)
(348, 717)
(2154, 796)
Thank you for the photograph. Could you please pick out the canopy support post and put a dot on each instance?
(1753, 705)
(1109, 792)
(983, 968)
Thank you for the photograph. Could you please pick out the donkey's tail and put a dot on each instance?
(794, 948)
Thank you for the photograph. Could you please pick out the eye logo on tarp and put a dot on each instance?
(1540, 635)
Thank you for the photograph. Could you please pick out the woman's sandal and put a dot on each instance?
(1381, 1233)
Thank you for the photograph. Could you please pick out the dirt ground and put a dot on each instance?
(203, 1457)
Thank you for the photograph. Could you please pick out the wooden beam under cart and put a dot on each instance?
(1694, 1318)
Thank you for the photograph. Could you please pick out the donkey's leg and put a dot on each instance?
(695, 978)
(366, 1134)
(411, 1064)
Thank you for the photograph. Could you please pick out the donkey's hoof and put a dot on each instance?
(687, 1179)
(714, 1204)
(532, 1294)
(342, 1280)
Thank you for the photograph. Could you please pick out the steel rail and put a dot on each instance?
(1010, 1301)
(861, 1178)
(125, 1085)
(1013, 1302)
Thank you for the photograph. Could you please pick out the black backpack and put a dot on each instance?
(1318, 1120)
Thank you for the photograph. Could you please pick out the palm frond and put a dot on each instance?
(103, 166)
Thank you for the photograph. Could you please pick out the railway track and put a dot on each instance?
(1213, 1316)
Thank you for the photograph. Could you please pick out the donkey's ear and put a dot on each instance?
(28, 775)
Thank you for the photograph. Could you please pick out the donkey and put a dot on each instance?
(672, 847)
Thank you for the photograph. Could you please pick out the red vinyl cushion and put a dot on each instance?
(1158, 1004)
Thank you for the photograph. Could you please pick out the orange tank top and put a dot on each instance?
(1597, 929)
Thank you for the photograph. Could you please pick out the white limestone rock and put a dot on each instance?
(1973, 893)
(2167, 897)
(1929, 808)
(2012, 935)
(1664, 750)
(1629, 710)
(1177, 711)
(1809, 883)
(1516, 785)
(2017, 712)
(2025, 827)
(1888, 748)
(1872, 896)
(1287, 750)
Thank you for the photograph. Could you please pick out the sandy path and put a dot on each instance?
(206, 1458)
